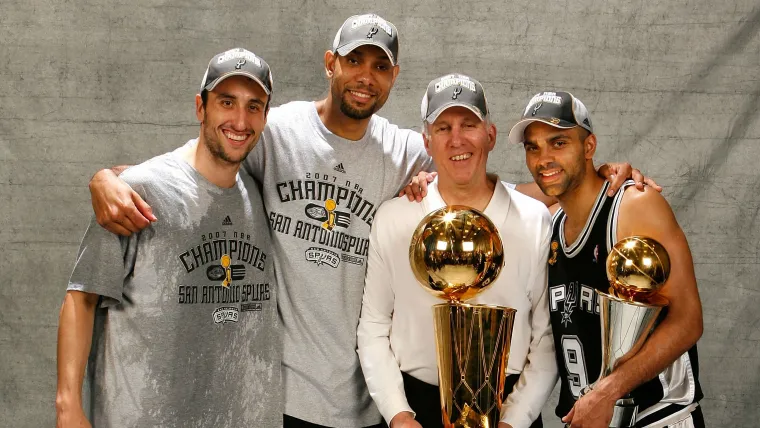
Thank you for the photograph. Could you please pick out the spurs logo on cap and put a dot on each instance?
(375, 21)
(372, 32)
(237, 62)
(453, 90)
(455, 79)
(558, 109)
(238, 53)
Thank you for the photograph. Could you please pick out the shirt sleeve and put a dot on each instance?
(539, 375)
(415, 160)
(381, 370)
(103, 262)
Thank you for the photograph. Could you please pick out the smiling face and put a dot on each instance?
(558, 158)
(232, 118)
(459, 143)
(360, 81)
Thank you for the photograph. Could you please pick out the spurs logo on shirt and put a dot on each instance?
(565, 298)
(330, 205)
(226, 257)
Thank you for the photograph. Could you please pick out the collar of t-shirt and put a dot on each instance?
(198, 178)
(328, 136)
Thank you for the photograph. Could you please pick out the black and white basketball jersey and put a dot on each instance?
(576, 272)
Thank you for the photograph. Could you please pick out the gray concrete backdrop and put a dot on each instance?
(673, 87)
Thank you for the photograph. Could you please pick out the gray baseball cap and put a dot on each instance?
(453, 90)
(237, 62)
(368, 29)
(558, 109)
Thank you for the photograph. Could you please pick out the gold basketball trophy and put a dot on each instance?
(637, 267)
(455, 253)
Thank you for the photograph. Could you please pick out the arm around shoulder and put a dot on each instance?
(117, 207)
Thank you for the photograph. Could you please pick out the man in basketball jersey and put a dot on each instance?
(662, 377)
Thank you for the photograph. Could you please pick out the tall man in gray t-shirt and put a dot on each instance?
(179, 320)
(324, 167)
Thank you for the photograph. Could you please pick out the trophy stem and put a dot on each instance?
(473, 348)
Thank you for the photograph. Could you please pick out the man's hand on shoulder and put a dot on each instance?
(404, 420)
(618, 172)
(117, 207)
(417, 189)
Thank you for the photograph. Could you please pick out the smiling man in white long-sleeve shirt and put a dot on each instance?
(396, 341)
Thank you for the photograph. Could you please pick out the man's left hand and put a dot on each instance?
(617, 172)
(504, 425)
(593, 410)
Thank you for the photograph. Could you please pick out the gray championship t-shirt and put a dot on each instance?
(186, 332)
(321, 193)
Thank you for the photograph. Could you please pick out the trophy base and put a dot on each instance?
(624, 413)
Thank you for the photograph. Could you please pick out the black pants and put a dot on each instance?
(291, 422)
(425, 400)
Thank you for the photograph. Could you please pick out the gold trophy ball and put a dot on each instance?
(637, 267)
(456, 252)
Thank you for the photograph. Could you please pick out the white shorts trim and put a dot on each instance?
(679, 419)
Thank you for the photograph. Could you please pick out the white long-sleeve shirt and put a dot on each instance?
(396, 330)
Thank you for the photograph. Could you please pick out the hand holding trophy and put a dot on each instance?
(455, 253)
(637, 268)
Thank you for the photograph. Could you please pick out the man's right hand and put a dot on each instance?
(404, 420)
(71, 419)
(117, 207)
(417, 189)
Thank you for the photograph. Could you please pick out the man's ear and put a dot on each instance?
(330, 59)
(395, 74)
(199, 108)
(589, 146)
(491, 137)
(426, 139)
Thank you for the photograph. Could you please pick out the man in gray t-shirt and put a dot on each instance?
(180, 320)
